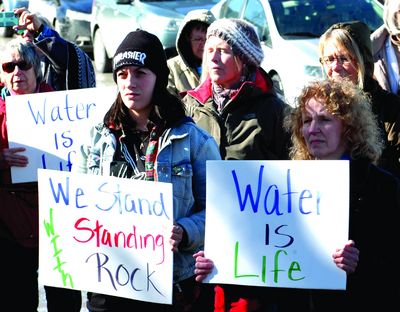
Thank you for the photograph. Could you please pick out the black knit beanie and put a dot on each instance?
(141, 48)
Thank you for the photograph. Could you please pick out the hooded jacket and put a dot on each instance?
(385, 105)
(183, 74)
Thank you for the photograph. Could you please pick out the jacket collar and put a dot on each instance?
(204, 91)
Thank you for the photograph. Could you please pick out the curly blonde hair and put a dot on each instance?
(348, 103)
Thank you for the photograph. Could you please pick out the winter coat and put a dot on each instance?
(250, 126)
(183, 73)
(374, 214)
(386, 106)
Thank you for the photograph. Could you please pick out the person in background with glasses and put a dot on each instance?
(21, 73)
(345, 53)
(185, 68)
(65, 65)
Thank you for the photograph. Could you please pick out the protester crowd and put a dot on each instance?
(214, 101)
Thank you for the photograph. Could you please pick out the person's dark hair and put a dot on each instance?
(167, 108)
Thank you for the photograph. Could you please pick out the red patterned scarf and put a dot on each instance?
(151, 153)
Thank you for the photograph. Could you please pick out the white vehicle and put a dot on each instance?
(70, 18)
(112, 20)
(289, 32)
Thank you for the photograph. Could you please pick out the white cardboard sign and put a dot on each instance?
(106, 234)
(277, 223)
(52, 126)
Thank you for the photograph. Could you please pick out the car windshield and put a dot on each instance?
(313, 17)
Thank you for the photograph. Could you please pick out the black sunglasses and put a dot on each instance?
(10, 66)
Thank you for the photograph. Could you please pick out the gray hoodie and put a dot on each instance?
(183, 73)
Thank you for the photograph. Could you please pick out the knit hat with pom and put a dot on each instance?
(241, 36)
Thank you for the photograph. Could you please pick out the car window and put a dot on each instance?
(254, 13)
(311, 18)
(232, 9)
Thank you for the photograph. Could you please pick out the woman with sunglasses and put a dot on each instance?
(345, 52)
(21, 74)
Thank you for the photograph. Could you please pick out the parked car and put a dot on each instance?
(289, 32)
(112, 20)
(9, 6)
(70, 18)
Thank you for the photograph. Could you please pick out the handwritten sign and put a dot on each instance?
(105, 234)
(277, 223)
(52, 126)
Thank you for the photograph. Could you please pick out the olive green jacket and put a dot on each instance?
(183, 74)
(250, 126)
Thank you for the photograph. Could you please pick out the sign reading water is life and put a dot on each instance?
(277, 223)
(105, 234)
(52, 126)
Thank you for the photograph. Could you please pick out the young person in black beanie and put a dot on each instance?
(146, 135)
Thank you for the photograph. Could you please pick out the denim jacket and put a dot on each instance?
(181, 160)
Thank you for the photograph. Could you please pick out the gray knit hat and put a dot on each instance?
(241, 36)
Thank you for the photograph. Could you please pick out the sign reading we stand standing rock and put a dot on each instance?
(106, 235)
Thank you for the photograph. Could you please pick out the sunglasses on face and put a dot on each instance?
(10, 66)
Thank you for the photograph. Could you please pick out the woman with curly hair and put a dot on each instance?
(350, 110)
(333, 120)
